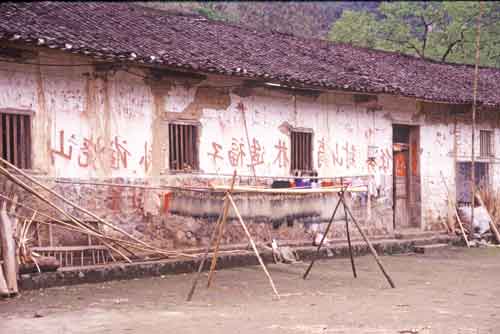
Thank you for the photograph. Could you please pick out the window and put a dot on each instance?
(301, 151)
(183, 146)
(485, 143)
(481, 177)
(15, 139)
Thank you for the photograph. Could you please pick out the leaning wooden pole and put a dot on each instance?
(351, 253)
(8, 250)
(316, 255)
(204, 258)
(372, 250)
(221, 226)
(252, 243)
(4, 289)
(474, 101)
(99, 219)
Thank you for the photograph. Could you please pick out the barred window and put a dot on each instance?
(15, 139)
(183, 146)
(485, 143)
(301, 151)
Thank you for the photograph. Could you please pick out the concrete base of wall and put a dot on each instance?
(102, 273)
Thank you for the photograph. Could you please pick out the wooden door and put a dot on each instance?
(401, 188)
(414, 198)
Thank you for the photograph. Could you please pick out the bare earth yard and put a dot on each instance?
(450, 291)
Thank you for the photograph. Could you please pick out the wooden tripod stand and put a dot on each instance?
(219, 231)
(348, 213)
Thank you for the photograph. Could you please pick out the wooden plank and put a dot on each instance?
(334, 189)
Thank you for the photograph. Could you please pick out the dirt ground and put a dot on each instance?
(449, 291)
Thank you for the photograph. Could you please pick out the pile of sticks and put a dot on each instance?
(465, 230)
(125, 246)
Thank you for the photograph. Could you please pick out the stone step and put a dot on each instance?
(425, 249)
(414, 234)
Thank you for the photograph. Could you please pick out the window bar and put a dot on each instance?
(2, 127)
(15, 144)
(189, 146)
(28, 138)
(22, 146)
(182, 158)
(7, 137)
(170, 147)
(177, 146)
(195, 148)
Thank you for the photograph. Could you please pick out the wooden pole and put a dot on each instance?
(204, 258)
(8, 250)
(349, 242)
(316, 256)
(221, 231)
(474, 101)
(205, 255)
(65, 200)
(455, 210)
(372, 250)
(4, 290)
(29, 189)
(252, 243)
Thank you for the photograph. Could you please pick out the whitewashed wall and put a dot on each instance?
(87, 126)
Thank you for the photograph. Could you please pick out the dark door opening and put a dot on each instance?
(406, 176)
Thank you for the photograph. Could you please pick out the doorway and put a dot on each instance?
(406, 177)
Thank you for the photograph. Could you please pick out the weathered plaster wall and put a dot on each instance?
(105, 125)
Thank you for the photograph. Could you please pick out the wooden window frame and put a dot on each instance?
(189, 146)
(304, 163)
(19, 135)
(486, 148)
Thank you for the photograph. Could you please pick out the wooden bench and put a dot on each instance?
(70, 256)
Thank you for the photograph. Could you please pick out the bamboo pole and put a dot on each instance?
(29, 189)
(316, 256)
(221, 231)
(65, 200)
(253, 245)
(372, 250)
(33, 192)
(474, 99)
(4, 290)
(204, 258)
(351, 255)
(8, 250)
(455, 210)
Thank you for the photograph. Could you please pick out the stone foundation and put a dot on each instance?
(191, 215)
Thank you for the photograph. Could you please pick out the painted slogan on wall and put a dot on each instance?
(89, 151)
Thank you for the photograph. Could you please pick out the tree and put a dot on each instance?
(443, 31)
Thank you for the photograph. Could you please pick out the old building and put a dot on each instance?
(94, 93)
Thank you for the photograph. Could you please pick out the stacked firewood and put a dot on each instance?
(16, 255)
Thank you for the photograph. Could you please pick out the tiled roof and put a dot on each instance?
(125, 31)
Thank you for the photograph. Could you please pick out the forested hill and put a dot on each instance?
(308, 19)
(443, 31)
